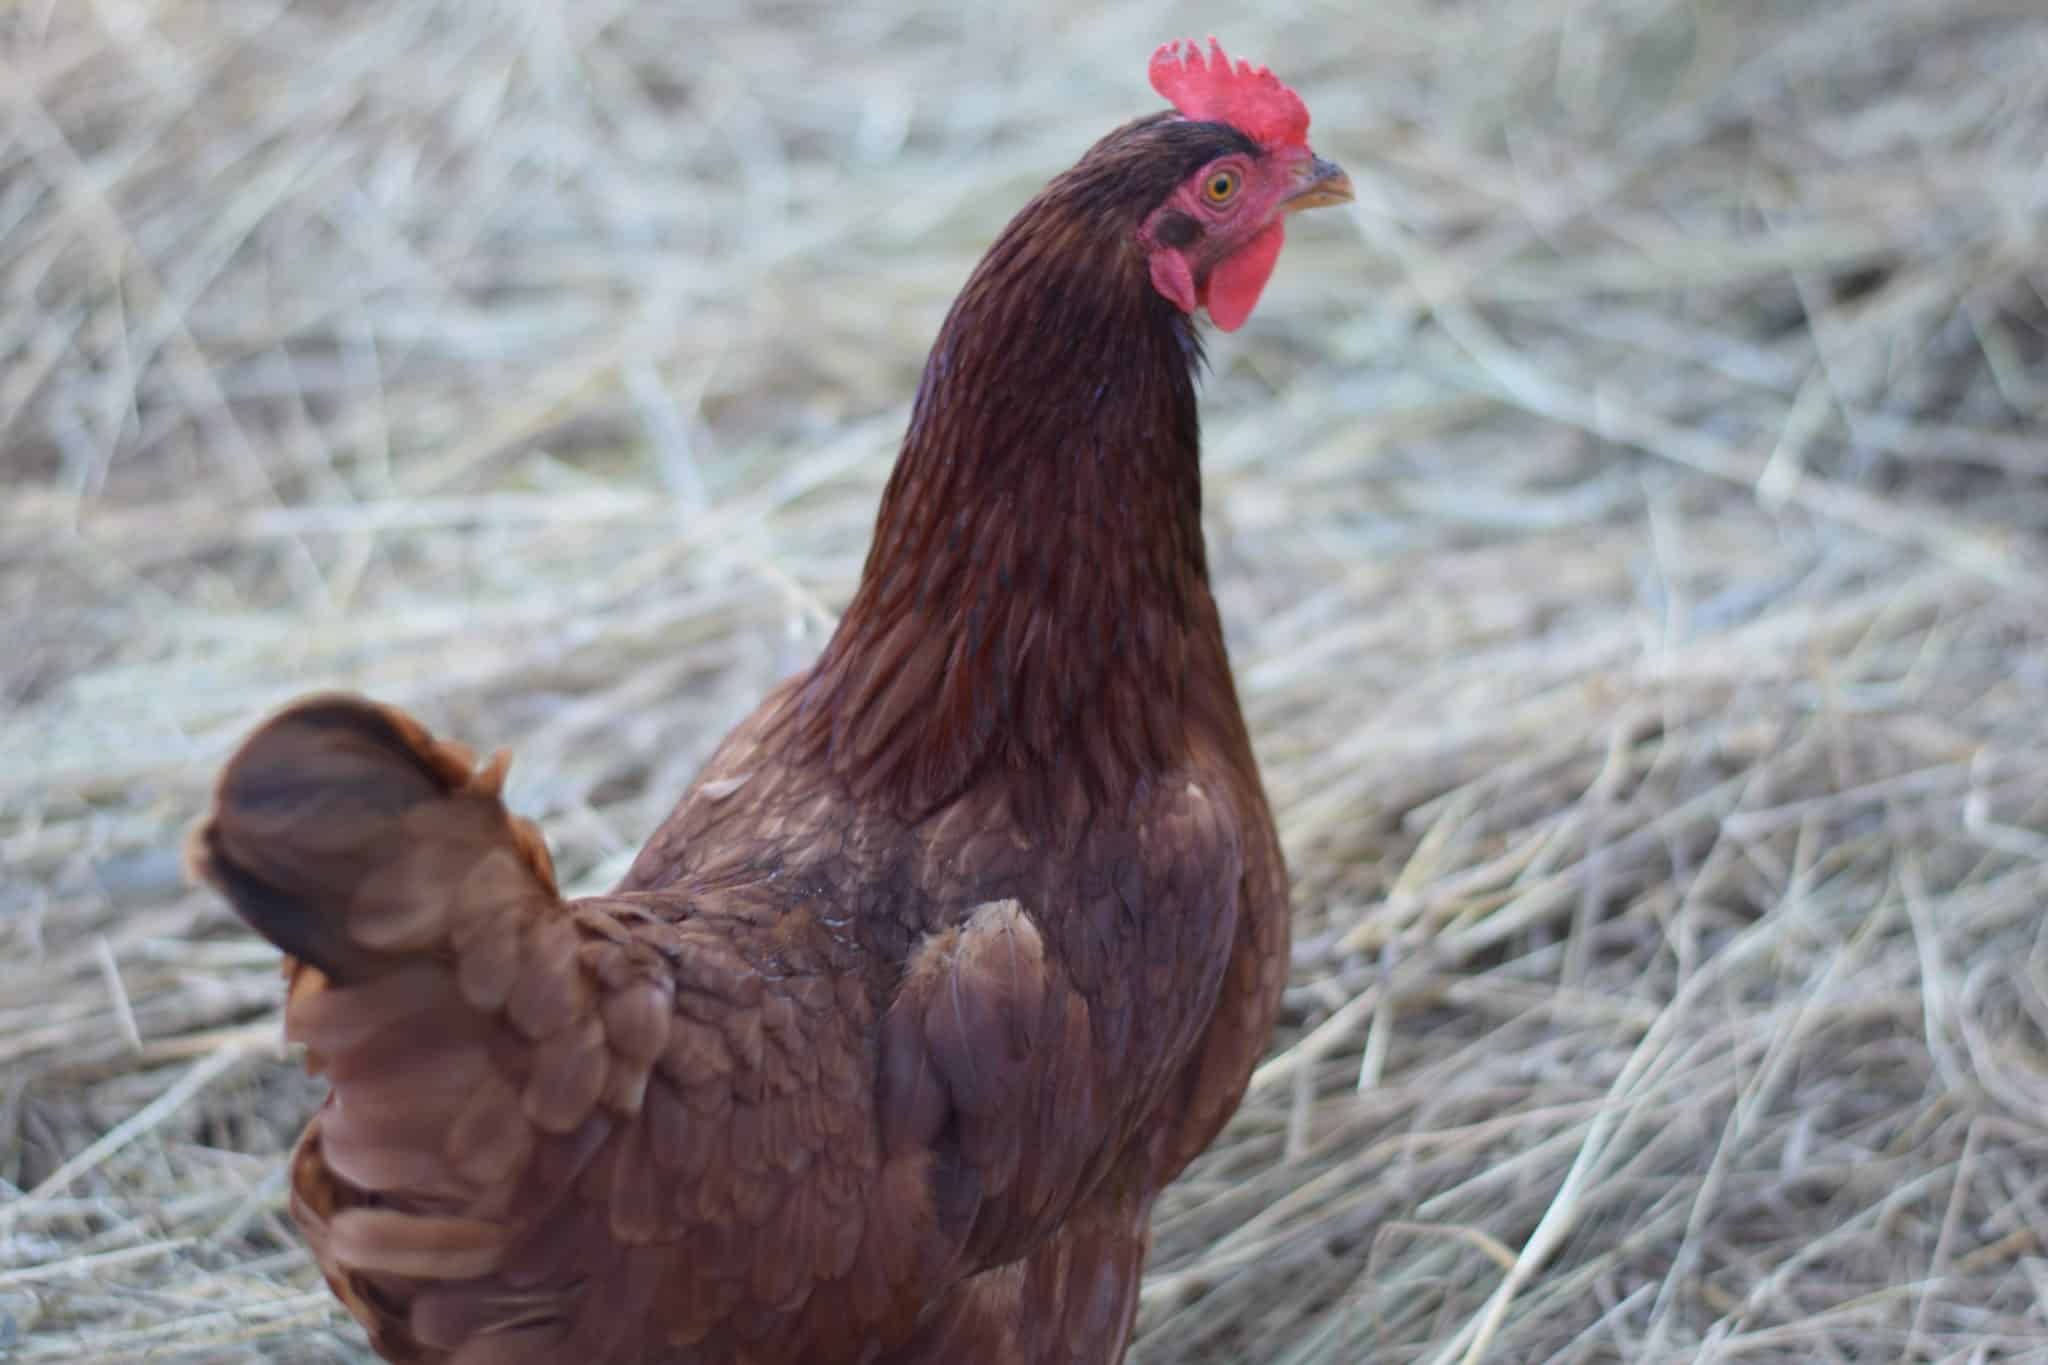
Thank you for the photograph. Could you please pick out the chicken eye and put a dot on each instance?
(1221, 187)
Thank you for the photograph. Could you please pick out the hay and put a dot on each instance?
(1630, 523)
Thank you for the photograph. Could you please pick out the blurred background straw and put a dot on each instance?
(1630, 521)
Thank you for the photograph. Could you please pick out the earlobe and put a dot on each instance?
(1172, 277)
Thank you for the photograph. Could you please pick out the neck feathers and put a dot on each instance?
(1036, 595)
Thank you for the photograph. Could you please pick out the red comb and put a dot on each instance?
(1249, 98)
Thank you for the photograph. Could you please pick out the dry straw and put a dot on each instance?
(1630, 522)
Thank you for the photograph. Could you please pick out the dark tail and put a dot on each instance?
(352, 839)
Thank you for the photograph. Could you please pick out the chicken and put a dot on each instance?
(959, 949)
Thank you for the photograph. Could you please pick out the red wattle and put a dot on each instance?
(1236, 282)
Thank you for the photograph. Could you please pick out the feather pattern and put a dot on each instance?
(958, 950)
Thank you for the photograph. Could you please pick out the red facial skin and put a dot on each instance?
(1226, 265)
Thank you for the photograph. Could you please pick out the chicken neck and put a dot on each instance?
(1036, 598)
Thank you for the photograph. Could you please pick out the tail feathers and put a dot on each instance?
(487, 1042)
(353, 840)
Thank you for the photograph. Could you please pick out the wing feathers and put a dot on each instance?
(988, 1060)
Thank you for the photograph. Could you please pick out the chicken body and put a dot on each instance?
(957, 952)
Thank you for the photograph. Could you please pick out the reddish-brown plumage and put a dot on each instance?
(959, 949)
(1040, 541)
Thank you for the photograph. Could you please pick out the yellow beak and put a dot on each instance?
(1323, 182)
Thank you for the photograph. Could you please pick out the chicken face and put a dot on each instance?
(1214, 242)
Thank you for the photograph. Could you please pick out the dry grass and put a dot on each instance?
(1631, 522)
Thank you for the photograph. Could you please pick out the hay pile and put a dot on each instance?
(1631, 524)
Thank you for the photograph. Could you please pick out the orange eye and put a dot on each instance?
(1220, 187)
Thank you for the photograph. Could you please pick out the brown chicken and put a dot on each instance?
(961, 947)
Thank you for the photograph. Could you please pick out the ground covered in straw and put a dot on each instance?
(1630, 521)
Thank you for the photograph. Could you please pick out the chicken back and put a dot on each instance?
(960, 948)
